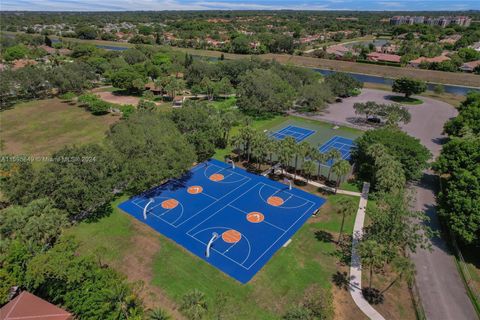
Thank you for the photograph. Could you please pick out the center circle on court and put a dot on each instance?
(255, 217)
(216, 177)
(231, 236)
(169, 203)
(195, 189)
(275, 201)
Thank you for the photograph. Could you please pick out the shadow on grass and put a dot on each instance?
(323, 236)
(344, 250)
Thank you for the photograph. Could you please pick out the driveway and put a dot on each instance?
(427, 118)
(442, 291)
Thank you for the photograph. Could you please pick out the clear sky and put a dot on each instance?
(123, 5)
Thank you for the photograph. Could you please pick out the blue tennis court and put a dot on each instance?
(246, 217)
(342, 144)
(298, 133)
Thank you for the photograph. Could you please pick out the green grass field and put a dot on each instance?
(308, 261)
(405, 100)
(41, 127)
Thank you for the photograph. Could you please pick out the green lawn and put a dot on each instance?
(41, 127)
(281, 284)
(405, 100)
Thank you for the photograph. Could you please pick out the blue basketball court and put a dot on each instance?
(344, 145)
(298, 133)
(246, 217)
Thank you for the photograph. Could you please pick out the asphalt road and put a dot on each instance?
(442, 291)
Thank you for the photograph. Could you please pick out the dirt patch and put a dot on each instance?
(397, 299)
(118, 99)
(137, 264)
(345, 307)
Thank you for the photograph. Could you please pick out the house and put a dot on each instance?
(470, 66)
(451, 39)
(476, 46)
(153, 88)
(338, 50)
(27, 306)
(383, 57)
(416, 63)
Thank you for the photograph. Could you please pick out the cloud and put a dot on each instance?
(125, 5)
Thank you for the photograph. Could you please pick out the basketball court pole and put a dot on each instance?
(152, 200)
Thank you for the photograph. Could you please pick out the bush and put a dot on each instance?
(69, 96)
(127, 110)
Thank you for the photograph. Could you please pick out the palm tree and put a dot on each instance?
(244, 138)
(158, 314)
(194, 304)
(321, 159)
(340, 169)
(333, 155)
(372, 255)
(404, 268)
(270, 147)
(308, 168)
(301, 151)
(345, 208)
(259, 141)
(228, 119)
(286, 150)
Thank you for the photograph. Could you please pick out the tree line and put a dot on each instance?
(459, 168)
(388, 158)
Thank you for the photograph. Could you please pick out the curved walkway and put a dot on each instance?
(355, 265)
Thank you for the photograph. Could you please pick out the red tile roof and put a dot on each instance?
(376, 56)
(430, 60)
(27, 306)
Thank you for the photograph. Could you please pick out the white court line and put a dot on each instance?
(243, 237)
(188, 232)
(278, 238)
(282, 207)
(264, 220)
(228, 249)
(305, 212)
(198, 212)
(231, 173)
(160, 216)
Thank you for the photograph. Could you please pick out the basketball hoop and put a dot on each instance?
(209, 245)
(151, 200)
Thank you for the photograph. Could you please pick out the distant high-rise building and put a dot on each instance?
(438, 21)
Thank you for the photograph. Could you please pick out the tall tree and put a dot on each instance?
(262, 92)
(372, 256)
(340, 169)
(286, 151)
(346, 208)
(301, 151)
(409, 86)
(150, 150)
(333, 156)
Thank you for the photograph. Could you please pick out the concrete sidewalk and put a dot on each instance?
(356, 266)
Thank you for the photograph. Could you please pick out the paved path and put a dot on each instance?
(427, 118)
(321, 185)
(356, 266)
(442, 291)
